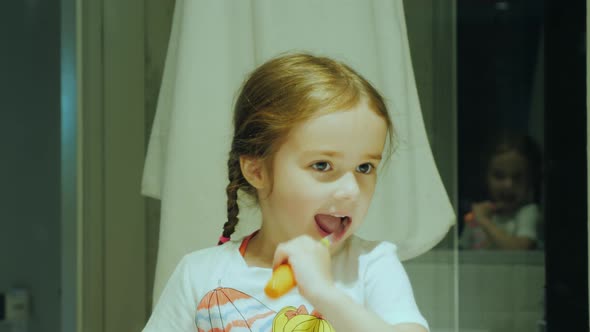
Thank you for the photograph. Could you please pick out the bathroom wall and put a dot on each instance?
(30, 163)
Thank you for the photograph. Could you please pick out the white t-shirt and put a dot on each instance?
(523, 223)
(215, 288)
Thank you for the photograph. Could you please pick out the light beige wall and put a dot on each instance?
(111, 61)
(92, 181)
(125, 271)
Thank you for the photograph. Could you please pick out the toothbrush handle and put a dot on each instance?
(282, 281)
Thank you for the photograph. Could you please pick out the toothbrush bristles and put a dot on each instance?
(327, 241)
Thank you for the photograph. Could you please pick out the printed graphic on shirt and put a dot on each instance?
(297, 319)
(228, 309)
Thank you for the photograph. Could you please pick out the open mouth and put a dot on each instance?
(332, 224)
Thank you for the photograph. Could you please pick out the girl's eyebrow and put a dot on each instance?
(373, 156)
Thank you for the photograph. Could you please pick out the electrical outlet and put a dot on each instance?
(16, 305)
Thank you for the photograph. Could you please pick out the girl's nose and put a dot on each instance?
(347, 187)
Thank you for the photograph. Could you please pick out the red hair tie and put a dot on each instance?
(223, 239)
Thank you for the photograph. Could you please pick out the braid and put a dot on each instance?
(235, 182)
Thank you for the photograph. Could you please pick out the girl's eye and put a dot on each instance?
(365, 168)
(321, 166)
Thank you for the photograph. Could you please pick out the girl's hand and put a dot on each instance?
(483, 211)
(311, 264)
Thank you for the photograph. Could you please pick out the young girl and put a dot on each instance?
(509, 219)
(309, 136)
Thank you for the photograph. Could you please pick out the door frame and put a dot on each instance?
(111, 237)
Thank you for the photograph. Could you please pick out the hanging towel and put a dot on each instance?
(213, 46)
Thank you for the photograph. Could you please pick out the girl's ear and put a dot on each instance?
(253, 171)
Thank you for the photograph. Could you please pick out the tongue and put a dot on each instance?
(329, 224)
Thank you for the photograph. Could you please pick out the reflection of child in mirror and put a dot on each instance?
(509, 218)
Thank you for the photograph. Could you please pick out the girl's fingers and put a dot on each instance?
(283, 276)
(281, 256)
(293, 248)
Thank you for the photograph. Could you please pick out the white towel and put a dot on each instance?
(213, 46)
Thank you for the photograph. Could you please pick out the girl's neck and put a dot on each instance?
(260, 250)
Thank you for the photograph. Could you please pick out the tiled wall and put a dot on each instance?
(496, 291)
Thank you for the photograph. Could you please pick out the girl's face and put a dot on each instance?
(324, 176)
(508, 182)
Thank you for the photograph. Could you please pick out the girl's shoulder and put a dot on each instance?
(203, 268)
(529, 207)
(362, 260)
(215, 254)
(531, 210)
(361, 245)
(366, 250)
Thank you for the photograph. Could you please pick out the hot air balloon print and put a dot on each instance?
(227, 309)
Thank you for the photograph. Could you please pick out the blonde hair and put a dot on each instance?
(281, 93)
